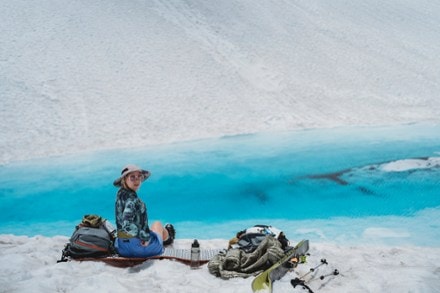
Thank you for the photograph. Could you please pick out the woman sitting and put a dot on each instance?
(134, 236)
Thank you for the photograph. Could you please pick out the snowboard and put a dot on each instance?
(264, 280)
(181, 255)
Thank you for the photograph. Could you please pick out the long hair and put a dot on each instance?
(124, 183)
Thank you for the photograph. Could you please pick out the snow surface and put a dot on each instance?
(78, 76)
(411, 164)
(88, 75)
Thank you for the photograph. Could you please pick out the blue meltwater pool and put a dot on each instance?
(375, 185)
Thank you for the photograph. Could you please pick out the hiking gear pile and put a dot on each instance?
(249, 253)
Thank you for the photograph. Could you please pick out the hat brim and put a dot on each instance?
(118, 181)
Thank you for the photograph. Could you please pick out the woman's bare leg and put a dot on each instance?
(159, 229)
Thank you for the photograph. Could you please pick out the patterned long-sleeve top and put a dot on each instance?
(131, 215)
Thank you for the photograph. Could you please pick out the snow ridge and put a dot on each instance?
(81, 76)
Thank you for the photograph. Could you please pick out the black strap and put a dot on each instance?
(298, 282)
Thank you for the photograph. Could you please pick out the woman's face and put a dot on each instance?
(134, 180)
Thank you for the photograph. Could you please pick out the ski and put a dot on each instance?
(264, 280)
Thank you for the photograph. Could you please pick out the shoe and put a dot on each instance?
(171, 234)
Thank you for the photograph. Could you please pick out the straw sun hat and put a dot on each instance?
(129, 169)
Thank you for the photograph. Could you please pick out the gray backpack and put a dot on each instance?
(91, 238)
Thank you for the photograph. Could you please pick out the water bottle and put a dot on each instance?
(110, 228)
(195, 254)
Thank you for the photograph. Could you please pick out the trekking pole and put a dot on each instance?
(334, 273)
(323, 262)
(301, 282)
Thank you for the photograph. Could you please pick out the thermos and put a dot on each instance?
(195, 254)
(110, 228)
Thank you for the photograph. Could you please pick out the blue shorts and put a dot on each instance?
(132, 247)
